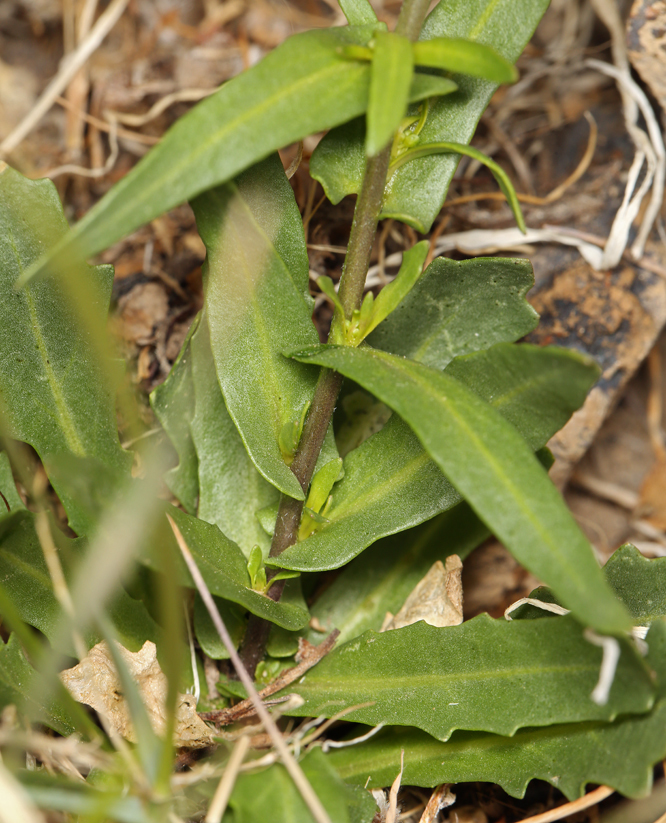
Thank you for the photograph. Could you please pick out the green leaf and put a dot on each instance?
(224, 568)
(173, 404)
(391, 483)
(390, 81)
(16, 679)
(640, 583)
(358, 12)
(425, 86)
(303, 86)
(483, 675)
(271, 794)
(619, 754)
(490, 464)
(8, 486)
(464, 57)
(25, 578)
(206, 633)
(380, 580)
(55, 394)
(257, 304)
(390, 297)
(231, 490)
(419, 188)
(458, 307)
(408, 155)
(88, 484)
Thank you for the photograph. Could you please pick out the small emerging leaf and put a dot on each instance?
(394, 293)
(256, 569)
(390, 80)
(464, 57)
(358, 12)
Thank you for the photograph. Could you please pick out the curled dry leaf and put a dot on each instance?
(437, 598)
(94, 681)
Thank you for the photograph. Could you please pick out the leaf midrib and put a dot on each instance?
(67, 424)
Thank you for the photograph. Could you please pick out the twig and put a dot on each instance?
(309, 656)
(300, 780)
(70, 66)
(590, 799)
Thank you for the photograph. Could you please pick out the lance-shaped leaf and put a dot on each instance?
(173, 404)
(224, 568)
(256, 301)
(231, 490)
(620, 754)
(464, 57)
(493, 468)
(418, 189)
(458, 307)
(391, 483)
(390, 79)
(380, 580)
(304, 86)
(359, 12)
(55, 393)
(483, 675)
(26, 580)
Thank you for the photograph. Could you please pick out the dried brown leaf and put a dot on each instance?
(94, 681)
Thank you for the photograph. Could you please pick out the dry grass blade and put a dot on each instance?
(222, 794)
(69, 69)
(392, 813)
(585, 802)
(16, 805)
(302, 784)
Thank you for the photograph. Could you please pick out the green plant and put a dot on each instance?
(449, 447)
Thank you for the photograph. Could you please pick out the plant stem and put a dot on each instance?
(357, 262)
